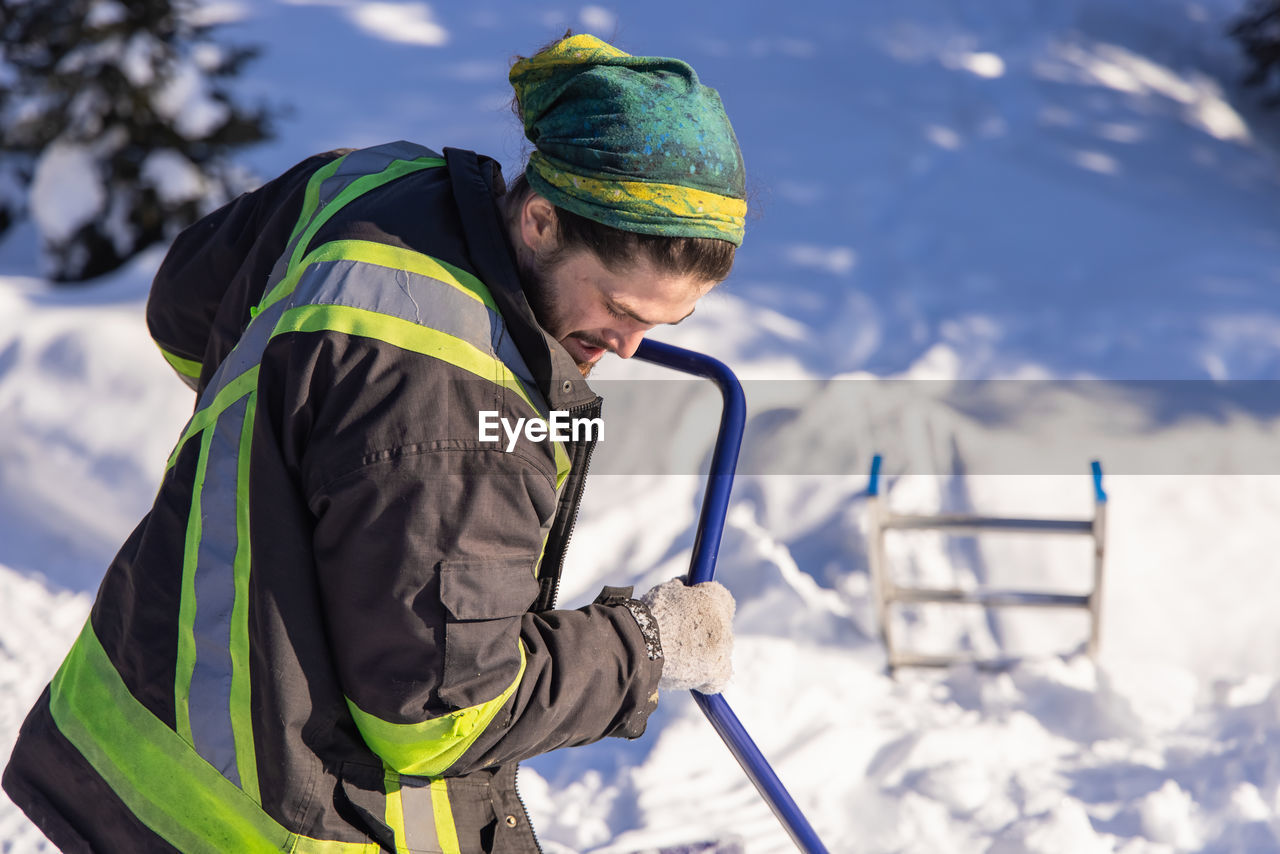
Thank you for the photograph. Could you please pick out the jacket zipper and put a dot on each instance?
(585, 450)
(515, 787)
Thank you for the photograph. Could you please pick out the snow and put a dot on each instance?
(175, 178)
(104, 13)
(66, 190)
(140, 58)
(37, 626)
(185, 101)
(991, 241)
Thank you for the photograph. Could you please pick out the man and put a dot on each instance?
(335, 630)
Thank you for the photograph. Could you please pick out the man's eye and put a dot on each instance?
(613, 310)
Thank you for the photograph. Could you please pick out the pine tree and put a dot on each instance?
(1258, 32)
(115, 125)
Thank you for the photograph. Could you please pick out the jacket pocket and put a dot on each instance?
(361, 798)
(483, 601)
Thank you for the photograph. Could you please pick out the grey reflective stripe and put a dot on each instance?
(419, 815)
(210, 695)
(367, 161)
(357, 284)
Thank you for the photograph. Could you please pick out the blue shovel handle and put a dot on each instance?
(706, 548)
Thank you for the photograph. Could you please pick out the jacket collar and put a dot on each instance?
(477, 186)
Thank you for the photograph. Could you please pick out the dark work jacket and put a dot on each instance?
(335, 629)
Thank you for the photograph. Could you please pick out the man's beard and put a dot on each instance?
(547, 309)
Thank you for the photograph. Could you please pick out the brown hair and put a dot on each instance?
(706, 258)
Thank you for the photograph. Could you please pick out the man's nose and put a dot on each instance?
(628, 342)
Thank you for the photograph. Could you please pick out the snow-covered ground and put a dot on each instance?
(1071, 201)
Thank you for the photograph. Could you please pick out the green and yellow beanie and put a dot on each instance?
(633, 142)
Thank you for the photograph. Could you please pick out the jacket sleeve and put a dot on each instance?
(233, 246)
(426, 553)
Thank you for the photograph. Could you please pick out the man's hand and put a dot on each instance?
(695, 625)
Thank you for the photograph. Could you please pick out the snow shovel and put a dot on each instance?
(706, 547)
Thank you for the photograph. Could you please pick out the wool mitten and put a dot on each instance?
(695, 625)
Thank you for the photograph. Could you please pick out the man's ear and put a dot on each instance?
(538, 224)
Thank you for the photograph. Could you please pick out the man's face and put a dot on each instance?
(591, 309)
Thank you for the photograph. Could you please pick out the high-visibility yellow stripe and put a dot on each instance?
(159, 777)
(429, 748)
(395, 812)
(308, 845)
(186, 367)
(311, 197)
(563, 464)
(241, 687)
(446, 832)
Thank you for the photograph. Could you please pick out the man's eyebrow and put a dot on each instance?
(631, 314)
